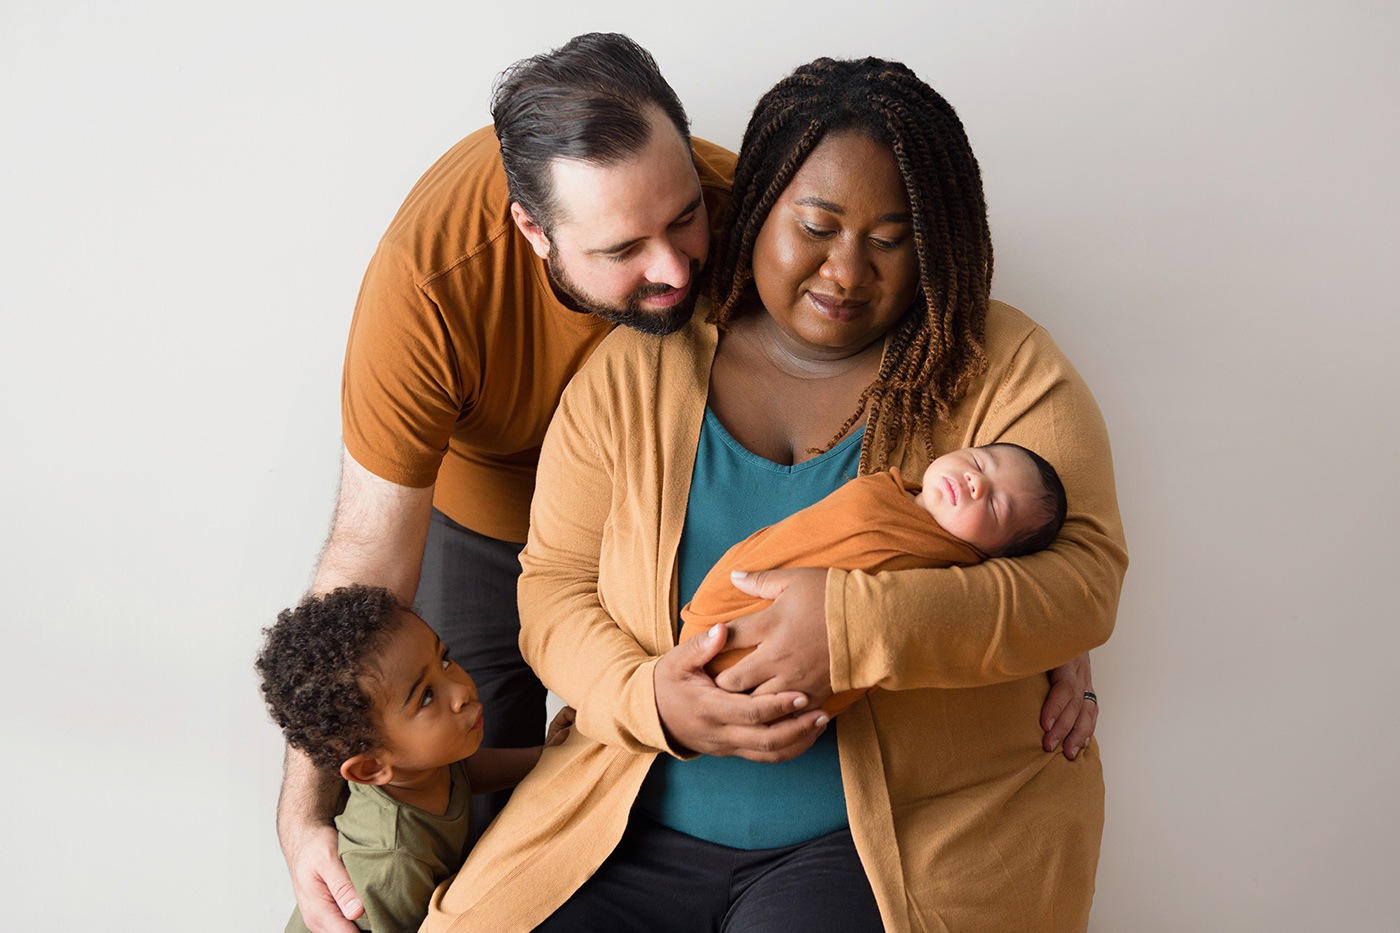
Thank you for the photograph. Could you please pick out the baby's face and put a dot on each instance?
(427, 707)
(986, 496)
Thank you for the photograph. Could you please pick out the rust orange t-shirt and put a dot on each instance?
(459, 348)
(870, 523)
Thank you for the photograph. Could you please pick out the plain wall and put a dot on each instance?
(1198, 199)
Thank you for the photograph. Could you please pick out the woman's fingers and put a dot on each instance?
(700, 717)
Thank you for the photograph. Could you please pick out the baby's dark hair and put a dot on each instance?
(1052, 503)
(311, 665)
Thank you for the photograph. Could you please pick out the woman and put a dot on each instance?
(855, 331)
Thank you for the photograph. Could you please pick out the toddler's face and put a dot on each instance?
(428, 710)
(986, 496)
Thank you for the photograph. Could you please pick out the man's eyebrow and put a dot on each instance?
(690, 208)
(893, 217)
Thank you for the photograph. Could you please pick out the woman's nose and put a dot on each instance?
(846, 265)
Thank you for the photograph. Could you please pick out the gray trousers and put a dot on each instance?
(466, 592)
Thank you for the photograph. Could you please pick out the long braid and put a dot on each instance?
(936, 350)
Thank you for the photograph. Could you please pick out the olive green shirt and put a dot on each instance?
(397, 854)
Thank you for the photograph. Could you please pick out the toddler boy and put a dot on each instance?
(360, 683)
(1000, 500)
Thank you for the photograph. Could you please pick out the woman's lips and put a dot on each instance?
(837, 309)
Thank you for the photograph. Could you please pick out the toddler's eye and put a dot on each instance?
(427, 697)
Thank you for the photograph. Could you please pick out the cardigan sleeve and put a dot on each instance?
(1005, 618)
(566, 633)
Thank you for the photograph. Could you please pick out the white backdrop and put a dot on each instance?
(1198, 199)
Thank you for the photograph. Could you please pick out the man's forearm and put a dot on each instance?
(310, 796)
(378, 534)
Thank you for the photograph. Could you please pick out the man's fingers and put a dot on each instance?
(346, 899)
(1058, 713)
(329, 903)
(323, 890)
(1063, 723)
(1083, 728)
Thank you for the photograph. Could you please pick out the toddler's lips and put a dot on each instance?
(952, 491)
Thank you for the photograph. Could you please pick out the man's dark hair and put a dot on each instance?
(587, 100)
(1052, 502)
(311, 666)
(936, 350)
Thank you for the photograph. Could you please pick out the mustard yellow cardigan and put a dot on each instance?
(961, 820)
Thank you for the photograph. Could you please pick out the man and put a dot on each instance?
(507, 264)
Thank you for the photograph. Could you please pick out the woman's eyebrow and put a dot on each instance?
(822, 203)
(893, 217)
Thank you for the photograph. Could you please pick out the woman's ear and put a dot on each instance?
(365, 768)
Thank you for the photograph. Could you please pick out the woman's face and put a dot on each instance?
(835, 263)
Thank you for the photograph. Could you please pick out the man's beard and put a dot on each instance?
(655, 321)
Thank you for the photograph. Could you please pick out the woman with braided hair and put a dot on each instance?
(850, 329)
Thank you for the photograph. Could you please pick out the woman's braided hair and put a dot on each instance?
(937, 348)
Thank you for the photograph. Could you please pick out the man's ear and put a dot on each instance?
(533, 231)
(365, 768)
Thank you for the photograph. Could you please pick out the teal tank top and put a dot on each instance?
(731, 801)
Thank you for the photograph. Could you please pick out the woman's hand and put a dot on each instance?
(698, 716)
(788, 637)
(1067, 716)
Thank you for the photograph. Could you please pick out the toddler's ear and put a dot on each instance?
(365, 768)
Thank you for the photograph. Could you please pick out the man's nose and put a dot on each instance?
(669, 266)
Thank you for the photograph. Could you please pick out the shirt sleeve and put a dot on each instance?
(1005, 618)
(567, 635)
(406, 381)
(396, 901)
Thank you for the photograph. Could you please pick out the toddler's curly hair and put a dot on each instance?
(311, 665)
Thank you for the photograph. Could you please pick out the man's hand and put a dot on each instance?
(326, 897)
(1067, 716)
(310, 798)
(788, 637)
(700, 717)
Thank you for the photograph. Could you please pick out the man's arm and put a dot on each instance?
(377, 538)
(378, 534)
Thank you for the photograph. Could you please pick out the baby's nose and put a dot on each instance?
(976, 484)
